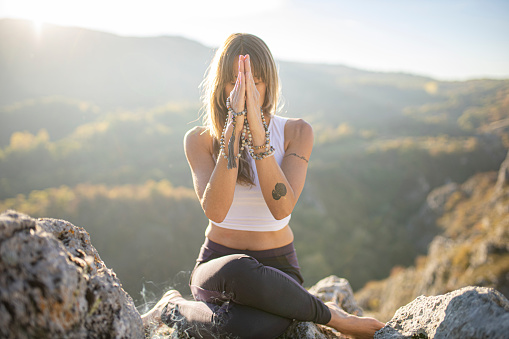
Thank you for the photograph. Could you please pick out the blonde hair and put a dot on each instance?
(221, 72)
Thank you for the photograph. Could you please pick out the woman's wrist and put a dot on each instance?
(229, 130)
(258, 134)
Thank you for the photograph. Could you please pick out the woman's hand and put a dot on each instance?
(253, 105)
(252, 94)
(238, 94)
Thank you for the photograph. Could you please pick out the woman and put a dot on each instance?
(249, 167)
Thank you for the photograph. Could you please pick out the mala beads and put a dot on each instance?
(246, 139)
(269, 150)
(231, 144)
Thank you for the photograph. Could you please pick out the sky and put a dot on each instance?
(443, 39)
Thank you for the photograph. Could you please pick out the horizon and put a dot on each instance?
(449, 41)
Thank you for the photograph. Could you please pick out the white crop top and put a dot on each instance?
(248, 211)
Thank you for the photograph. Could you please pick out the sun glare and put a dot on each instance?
(37, 27)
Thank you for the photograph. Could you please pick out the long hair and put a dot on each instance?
(221, 72)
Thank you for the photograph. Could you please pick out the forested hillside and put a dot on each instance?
(472, 248)
(91, 129)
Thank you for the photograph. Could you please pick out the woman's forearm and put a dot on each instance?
(281, 185)
(277, 191)
(218, 195)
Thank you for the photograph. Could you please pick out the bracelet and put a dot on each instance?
(269, 150)
(246, 139)
(261, 156)
(231, 111)
(264, 146)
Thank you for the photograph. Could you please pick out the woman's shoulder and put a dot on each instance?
(298, 128)
(198, 136)
(197, 131)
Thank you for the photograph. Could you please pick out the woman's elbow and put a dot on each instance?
(280, 213)
(213, 214)
(215, 219)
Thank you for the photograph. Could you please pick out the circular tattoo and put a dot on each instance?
(279, 191)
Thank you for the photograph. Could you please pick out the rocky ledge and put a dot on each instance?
(53, 284)
(470, 312)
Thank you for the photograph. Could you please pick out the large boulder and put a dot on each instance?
(339, 291)
(53, 284)
(470, 312)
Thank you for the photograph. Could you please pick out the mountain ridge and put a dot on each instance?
(113, 56)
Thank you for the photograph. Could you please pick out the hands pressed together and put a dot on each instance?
(244, 100)
(245, 94)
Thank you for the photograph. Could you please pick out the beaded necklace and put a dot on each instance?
(246, 139)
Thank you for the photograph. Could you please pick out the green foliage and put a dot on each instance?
(116, 148)
(58, 116)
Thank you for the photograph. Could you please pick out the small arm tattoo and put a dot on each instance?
(279, 191)
(298, 156)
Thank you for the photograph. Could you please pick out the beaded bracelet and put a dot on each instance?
(269, 150)
(246, 139)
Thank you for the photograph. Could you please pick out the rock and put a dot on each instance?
(53, 284)
(339, 291)
(310, 331)
(438, 197)
(422, 227)
(470, 312)
(503, 175)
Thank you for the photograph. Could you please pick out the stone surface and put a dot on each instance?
(339, 291)
(503, 176)
(310, 331)
(470, 312)
(422, 227)
(53, 284)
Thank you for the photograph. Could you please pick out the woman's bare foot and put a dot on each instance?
(352, 325)
(152, 319)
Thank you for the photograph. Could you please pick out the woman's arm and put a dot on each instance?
(282, 185)
(213, 182)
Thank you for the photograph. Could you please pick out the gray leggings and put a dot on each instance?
(245, 294)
